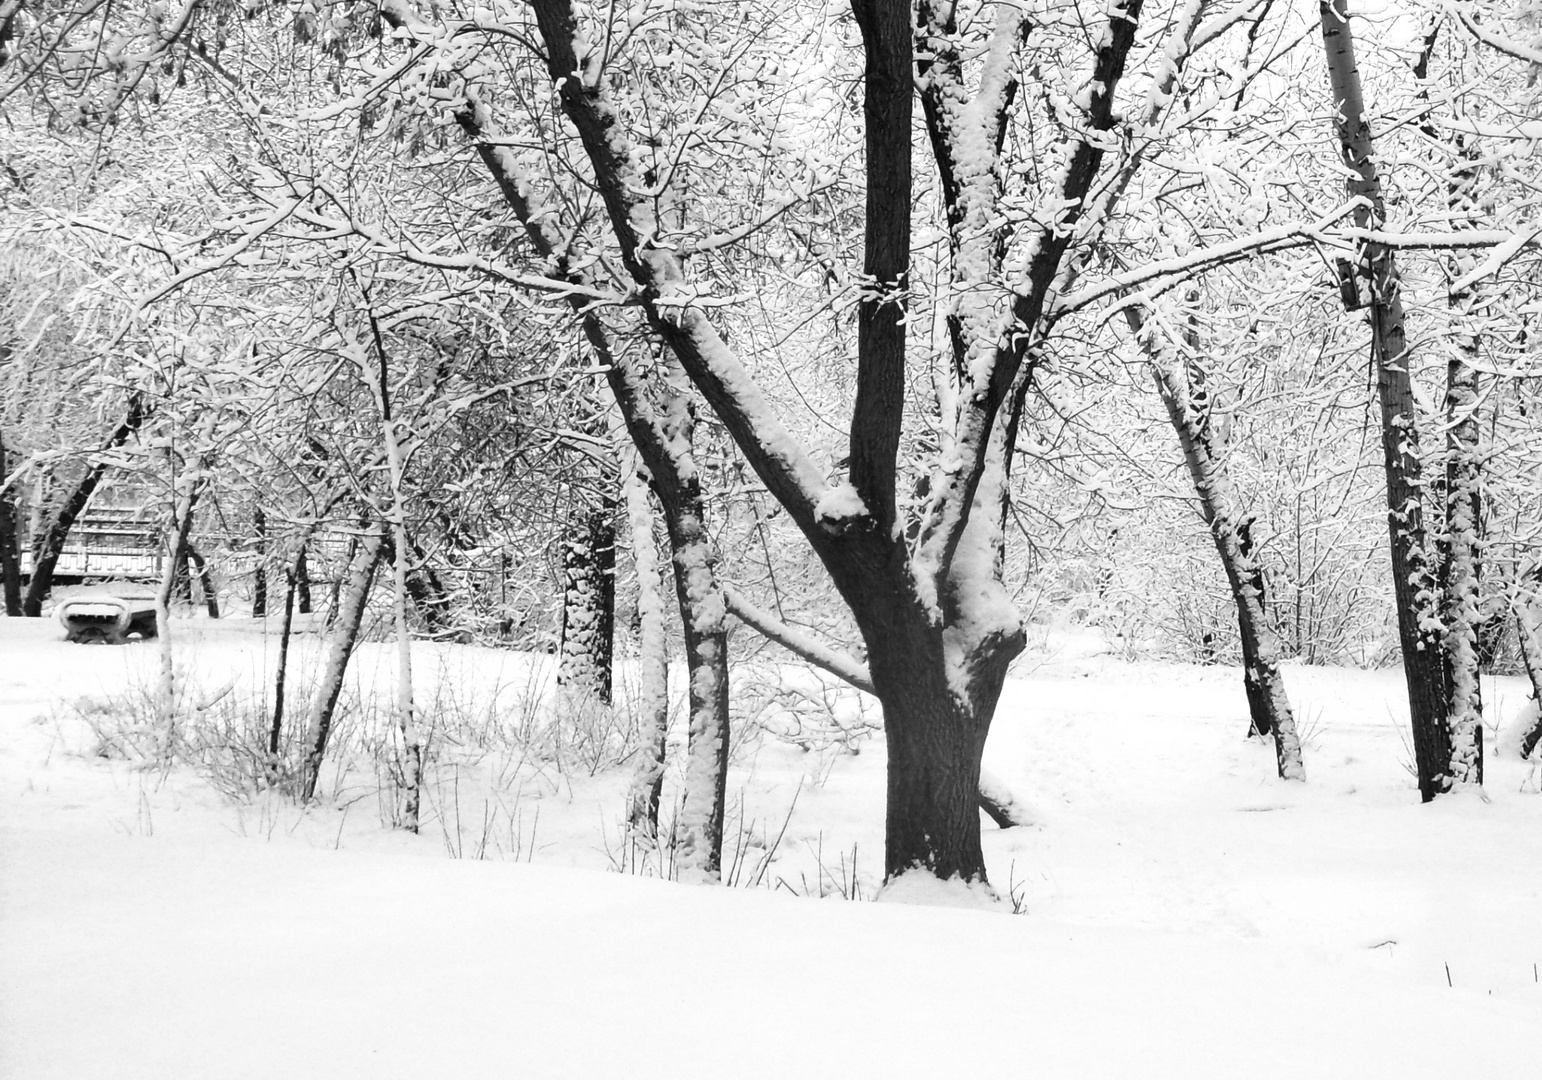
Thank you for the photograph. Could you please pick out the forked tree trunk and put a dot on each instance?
(1187, 399)
(588, 607)
(1414, 584)
(51, 545)
(10, 551)
(664, 442)
(939, 689)
(340, 645)
(642, 812)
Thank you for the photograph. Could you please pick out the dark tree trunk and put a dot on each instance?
(935, 743)
(302, 576)
(1413, 568)
(1260, 720)
(53, 541)
(10, 551)
(200, 570)
(260, 574)
(429, 596)
(276, 725)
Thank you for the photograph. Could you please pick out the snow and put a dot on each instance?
(838, 506)
(1186, 914)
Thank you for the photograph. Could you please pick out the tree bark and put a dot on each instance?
(10, 552)
(1528, 626)
(276, 724)
(1187, 400)
(260, 574)
(429, 595)
(1460, 585)
(200, 569)
(647, 786)
(343, 638)
(996, 801)
(1413, 568)
(588, 606)
(52, 544)
(302, 577)
(182, 525)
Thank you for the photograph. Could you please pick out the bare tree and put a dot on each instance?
(1181, 383)
(1415, 566)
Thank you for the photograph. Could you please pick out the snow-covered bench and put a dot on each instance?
(104, 619)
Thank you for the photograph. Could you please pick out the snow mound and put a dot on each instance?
(925, 889)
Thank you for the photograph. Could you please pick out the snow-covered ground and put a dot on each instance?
(1185, 914)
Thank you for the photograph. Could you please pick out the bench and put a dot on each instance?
(107, 620)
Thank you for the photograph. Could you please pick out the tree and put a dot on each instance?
(10, 556)
(938, 626)
(1181, 384)
(1414, 565)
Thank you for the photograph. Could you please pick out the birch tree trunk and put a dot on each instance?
(410, 751)
(1413, 568)
(1188, 404)
(642, 814)
(341, 641)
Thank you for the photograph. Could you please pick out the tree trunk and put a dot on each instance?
(642, 814)
(936, 739)
(302, 577)
(200, 570)
(1413, 569)
(1460, 592)
(276, 725)
(662, 437)
(52, 543)
(344, 636)
(588, 606)
(1183, 392)
(182, 525)
(10, 552)
(260, 574)
(1528, 626)
(699, 829)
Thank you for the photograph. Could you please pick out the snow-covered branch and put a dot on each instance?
(804, 646)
